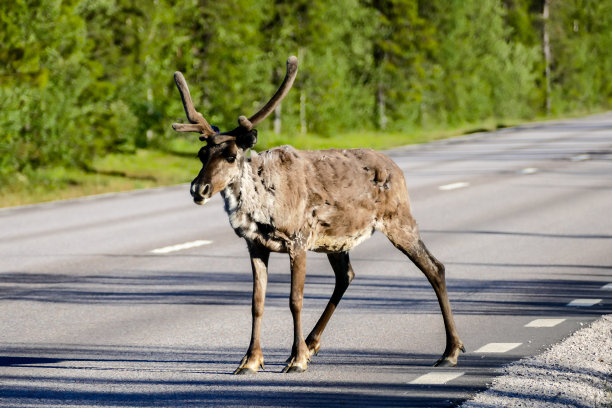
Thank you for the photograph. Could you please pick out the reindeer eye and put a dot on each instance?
(231, 159)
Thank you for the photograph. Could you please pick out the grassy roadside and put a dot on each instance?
(148, 168)
(113, 173)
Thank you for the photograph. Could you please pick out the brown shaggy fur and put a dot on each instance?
(286, 200)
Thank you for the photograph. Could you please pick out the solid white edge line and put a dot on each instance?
(497, 347)
(437, 377)
(454, 186)
(544, 322)
(180, 247)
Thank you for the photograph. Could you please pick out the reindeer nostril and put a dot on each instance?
(200, 192)
(204, 190)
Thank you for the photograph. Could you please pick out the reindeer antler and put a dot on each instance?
(250, 123)
(200, 125)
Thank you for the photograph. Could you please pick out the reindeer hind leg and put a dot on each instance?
(406, 238)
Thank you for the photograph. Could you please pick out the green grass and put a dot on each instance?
(369, 139)
(148, 168)
(113, 173)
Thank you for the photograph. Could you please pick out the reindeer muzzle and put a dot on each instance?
(200, 192)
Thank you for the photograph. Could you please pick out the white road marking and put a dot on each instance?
(497, 347)
(580, 157)
(607, 287)
(529, 170)
(180, 247)
(544, 322)
(583, 302)
(454, 186)
(437, 377)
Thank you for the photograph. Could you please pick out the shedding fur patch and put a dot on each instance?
(249, 209)
(324, 201)
(328, 243)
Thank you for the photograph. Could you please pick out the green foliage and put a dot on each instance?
(581, 43)
(403, 41)
(479, 73)
(82, 78)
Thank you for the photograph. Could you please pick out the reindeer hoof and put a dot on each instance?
(247, 367)
(245, 371)
(294, 367)
(445, 362)
(313, 350)
(449, 359)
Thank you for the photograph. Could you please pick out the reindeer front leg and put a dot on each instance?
(298, 362)
(254, 356)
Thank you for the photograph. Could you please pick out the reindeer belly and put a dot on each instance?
(339, 243)
(339, 231)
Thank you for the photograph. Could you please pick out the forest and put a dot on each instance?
(82, 78)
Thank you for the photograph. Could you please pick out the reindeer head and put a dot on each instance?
(224, 152)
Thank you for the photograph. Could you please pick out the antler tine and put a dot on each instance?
(198, 123)
(292, 67)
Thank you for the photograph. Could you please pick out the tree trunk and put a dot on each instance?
(277, 119)
(547, 56)
(380, 103)
(303, 123)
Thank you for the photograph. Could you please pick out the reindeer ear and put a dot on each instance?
(247, 140)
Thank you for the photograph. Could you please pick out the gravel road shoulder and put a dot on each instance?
(576, 372)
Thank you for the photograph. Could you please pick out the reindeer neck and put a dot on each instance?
(248, 206)
(240, 194)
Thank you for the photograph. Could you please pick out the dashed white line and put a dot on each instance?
(580, 157)
(607, 287)
(544, 322)
(583, 302)
(497, 347)
(453, 186)
(437, 377)
(180, 247)
(529, 170)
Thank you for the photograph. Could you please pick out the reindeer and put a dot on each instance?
(291, 201)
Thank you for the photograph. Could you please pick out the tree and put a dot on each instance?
(401, 42)
(581, 47)
(478, 73)
(45, 114)
(80, 78)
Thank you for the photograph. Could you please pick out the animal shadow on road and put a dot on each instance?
(384, 294)
(59, 375)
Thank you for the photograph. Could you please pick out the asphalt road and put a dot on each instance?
(92, 315)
